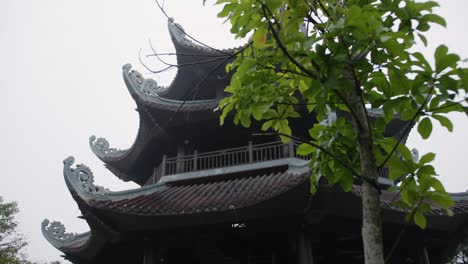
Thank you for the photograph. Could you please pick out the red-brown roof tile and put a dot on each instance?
(189, 198)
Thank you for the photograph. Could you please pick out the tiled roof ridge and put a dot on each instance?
(206, 196)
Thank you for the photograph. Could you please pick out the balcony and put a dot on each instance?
(232, 160)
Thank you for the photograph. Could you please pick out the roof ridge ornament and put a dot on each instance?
(146, 87)
(178, 33)
(101, 148)
(148, 92)
(81, 178)
(55, 233)
(180, 37)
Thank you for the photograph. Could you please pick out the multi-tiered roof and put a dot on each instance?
(220, 184)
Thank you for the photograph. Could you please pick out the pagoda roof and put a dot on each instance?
(180, 197)
(210, 194)
(77, 247)
(215, 200)
(191, 97)
(188, 103)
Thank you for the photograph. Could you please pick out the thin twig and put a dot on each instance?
(195, 90)
(186, 34)
(355, 173)
(402, 231)
(408, 127)
(151, 70)
(281, 44)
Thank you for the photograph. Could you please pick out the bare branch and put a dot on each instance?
(188, 35)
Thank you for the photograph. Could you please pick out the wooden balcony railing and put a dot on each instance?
(226, 158)
(232, 157)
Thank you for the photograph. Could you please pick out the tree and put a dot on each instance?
(349, 56)
(11, 242)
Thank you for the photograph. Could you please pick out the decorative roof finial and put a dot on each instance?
(81, 178)
(178, 34)
(102, 149)
(55, 233)
(147, 88)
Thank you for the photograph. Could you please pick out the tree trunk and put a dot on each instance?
(371, 211)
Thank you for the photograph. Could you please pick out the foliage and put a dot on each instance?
(11, 242)
(316, 52)
(347, 56)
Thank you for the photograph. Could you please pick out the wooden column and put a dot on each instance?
(149, 256)
(250, 152)
(291, 148)
(180, 162)
(163, 164)
(304, 250)
(195, 160)
(424, 256)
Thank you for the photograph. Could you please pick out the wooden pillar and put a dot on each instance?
(250, 152)
(304, 250)
(180, 162)
(195, 160)
(291, 148)
(163, 164)
(424, 256)
(149, 256)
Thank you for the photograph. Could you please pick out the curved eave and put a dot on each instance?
(55, 233)
(119, 161)
(145, 93)
(182, 41)
(215, 199)
(153, 109)
(157, 206)
(198, 66)
(79, 248)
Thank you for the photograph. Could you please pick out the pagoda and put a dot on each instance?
(216, 194)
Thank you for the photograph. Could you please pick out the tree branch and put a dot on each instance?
(408, 127)
(311, 144)
(281, 44)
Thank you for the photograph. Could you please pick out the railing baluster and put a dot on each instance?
(250, 152)
(291, 148)
(227, 157)
(163, 172)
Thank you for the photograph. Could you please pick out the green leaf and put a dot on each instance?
(226, 10)
(443, 199)
(284, 128)
(444, 121)
(444, 60)
(244, 117)
(305, 149)
(425, 128)
(258, 110)
(426, 158)
(259, 37)
(267, 125)
(435, 19)
(463, 74)
(420, 220)
(426, 170)
(437, 185)
(346, 180)
(423, 39)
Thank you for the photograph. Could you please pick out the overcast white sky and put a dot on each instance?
(61, 82)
